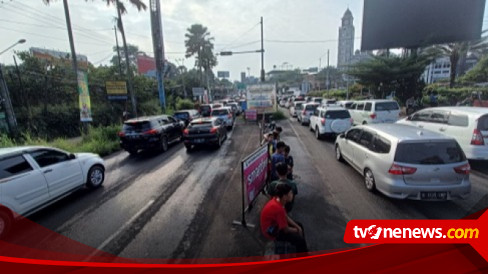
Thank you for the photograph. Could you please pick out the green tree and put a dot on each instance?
(479, 74)
(133, 50)
(384, 74)
(457, 53)
(198, 43)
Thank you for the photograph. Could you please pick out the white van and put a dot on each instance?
(468, 125)
(375, 112)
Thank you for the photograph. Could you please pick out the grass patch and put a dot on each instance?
(101, 140)
(278, 115)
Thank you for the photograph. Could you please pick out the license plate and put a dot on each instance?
(199, 141)
(433, 195)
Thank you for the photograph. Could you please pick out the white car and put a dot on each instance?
(375, 112)
(296, 106)
(330, 121)
(225, 114)
(468, 125)
(32, 178)
(404, 162)
(345, 104)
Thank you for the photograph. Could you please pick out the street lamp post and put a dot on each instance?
(5, 97)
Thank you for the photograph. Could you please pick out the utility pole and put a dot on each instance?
(262, 51)
(328, 80)
(70, 36)
(182, 74)
(7, 104)
(158, 45)
(118, 49)
(24, 97)
(127, 61)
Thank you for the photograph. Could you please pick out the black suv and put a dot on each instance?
(155, 132)
(205, 131)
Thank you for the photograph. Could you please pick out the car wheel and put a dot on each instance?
(317, 133)
(164, 144)
(369, 181)
(219, 143)
(339, 154)
(188, 147)
(6, 222)
(95, 177)
(310, 127)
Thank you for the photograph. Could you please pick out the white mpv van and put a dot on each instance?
(375, 112)
(468, 125)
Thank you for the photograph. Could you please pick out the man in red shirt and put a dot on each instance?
(275, 223)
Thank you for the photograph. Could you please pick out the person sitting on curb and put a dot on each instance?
(289, 162)
(277, 225)
(282, 170)
(276, 158)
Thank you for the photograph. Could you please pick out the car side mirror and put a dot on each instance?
(342, 136)
(409, 118)
(72, 156)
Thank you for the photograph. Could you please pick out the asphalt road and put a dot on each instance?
(181, 205)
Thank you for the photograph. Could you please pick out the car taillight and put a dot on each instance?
(121, 134)
(323, 121)
(397, 169)
(464, 169)
(213, 130)
(373, 116)
(477, 139)
(351, 120)
(186, 131)
(151, 132)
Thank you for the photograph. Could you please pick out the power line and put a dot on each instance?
(238, 38)
(46, 36)
(104, 59)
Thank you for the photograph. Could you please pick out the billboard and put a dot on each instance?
(116, 90)
(262, 98)
(59, 57)
(416, 23)
(84, 96)
(254, 173)
(223, 74)
(198, 91)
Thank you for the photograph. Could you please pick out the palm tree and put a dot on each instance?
(458, 52)
(198, 42)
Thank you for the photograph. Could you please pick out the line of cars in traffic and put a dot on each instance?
(423, 156)
(208, 126)
(32, 178)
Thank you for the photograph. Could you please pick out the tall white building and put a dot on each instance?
(346, 40)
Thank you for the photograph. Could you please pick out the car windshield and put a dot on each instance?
(338, 114)
(429, 153)
(387, 106)
(220, 112)
(137, 126)
(311, 107)
(182, 115)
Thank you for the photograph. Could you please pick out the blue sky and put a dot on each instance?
(233, 24)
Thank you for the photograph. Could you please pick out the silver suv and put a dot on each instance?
(404, 162)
